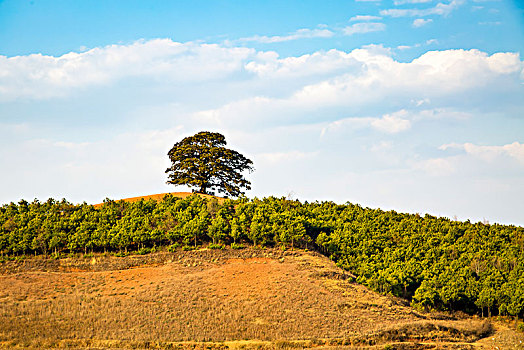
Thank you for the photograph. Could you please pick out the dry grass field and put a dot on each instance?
(216, 299)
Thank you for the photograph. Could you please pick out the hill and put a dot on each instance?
(206, 299)
(433, 263)
(160, 197)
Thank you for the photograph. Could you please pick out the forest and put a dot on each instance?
(434, 262)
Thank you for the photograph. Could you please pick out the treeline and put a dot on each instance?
(436, 263)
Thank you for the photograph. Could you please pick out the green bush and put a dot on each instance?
(143, 251)
(121, 254)
(237, 246)
(173, 247)
(216, 246)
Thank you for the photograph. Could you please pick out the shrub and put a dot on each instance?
(216, 246)
(173, 247)
(143, 251)
(237, 246)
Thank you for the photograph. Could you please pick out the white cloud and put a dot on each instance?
(363, 18)
(392, 123)
(380, 147)
(395, 122)
(366, 27)
(439, 114)
(436, 166)
(71, 145)
(514, 150)
(419, 22)
(322, 31)
(304, 33)
(330, 62)
(278, 157)
(421, 102)
(427, 42)
(363, 76)
(39, 76)
(266, 87)
(436, 73)
(389, 123)
(346, 124)
(440, 9)
(493, 23)
(377, 50)
(402, 2)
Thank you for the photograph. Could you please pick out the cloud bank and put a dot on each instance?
(359, 124)
(440, 9)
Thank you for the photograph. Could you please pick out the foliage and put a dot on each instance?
(216, 246)
(203, 162)
(436, 263)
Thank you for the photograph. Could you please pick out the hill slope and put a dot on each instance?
(160, 196)
(247, 298)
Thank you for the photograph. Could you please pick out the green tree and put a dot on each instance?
(219, 227)
(261, 228)
(203, 162)
(425, 295)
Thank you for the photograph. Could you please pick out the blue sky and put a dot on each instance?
(412, 105)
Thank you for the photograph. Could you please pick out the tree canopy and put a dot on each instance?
(203, 162)
(436, 263)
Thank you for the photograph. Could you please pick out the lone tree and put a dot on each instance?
(202, 161)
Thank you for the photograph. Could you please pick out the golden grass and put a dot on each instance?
(205, 299)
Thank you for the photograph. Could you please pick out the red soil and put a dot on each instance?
(160, 196)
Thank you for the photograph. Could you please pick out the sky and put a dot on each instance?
(408, 105)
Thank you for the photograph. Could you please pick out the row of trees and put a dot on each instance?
(434, 262)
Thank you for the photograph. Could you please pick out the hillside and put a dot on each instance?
(433, 263)
(160, 197)
(210, 299)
